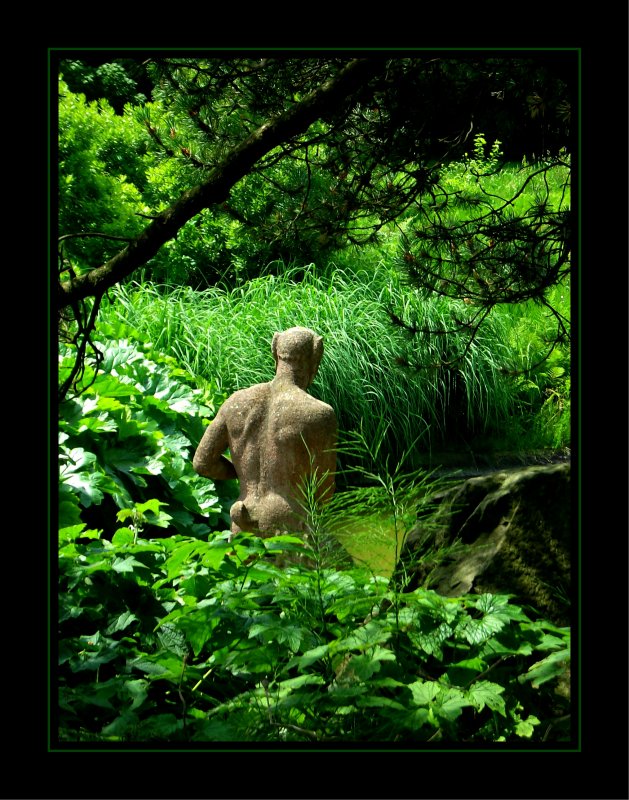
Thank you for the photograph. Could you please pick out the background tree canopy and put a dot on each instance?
(300, 155)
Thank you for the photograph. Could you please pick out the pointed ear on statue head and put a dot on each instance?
(317, 351)
(274, 346)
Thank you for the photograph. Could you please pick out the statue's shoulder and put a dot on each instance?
(253, 393)
(324, 410)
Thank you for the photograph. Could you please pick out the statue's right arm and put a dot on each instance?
(209, 459)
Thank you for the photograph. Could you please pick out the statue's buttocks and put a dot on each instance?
(278, 436)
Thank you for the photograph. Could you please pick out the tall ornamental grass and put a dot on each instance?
(224, 336)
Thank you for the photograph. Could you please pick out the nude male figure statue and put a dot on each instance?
(277, 435)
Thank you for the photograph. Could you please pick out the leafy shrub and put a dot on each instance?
(128, 439)
(180, 640)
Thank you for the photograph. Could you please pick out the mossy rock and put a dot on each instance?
(508, 532)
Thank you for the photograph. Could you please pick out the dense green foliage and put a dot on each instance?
(126, 441)
(179, 640)
(438, 275)
(170, 633)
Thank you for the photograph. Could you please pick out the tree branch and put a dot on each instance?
(325, 99)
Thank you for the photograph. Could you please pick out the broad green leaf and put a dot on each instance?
(374, 632)
(450, 704)
(198, 629)
(159, 726)
(430, 642)
(173, 639)
(109, 403)
(301, 680)
(486, 693)
(137, 689)
(550, 667)
(127, 456)
(152, 506)
(550, 642)
(121, 623)
(69, 508)
(424, 692)
(150, 667)
(98, 424)
(88, 486)
(342, 694)
(94, 660)
(70, 533)
(463, 672)
(198, 586)
(214, 554)
(526, 727)
(99, 694)
(186, 552)
(476, 631)
(74, 460)
(508, 641)
(218, 731)
(122, 725)
(311, 656)
(107, 386)
(376, 701)
(126, 564)
(417, 718)
(123, 536)
(360, 667)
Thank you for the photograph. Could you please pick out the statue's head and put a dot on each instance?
(301, 349)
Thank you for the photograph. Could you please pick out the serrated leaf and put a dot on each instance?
(150, 667)
(70, 533)
(127, 564)
(424, 692)
(185, 553)
(450, 704)
(110, 386)
(75, 459)
(430, 642)
(311, 656)
(137, 689)
(69, 508)
(463, 672)
(526, 727)
(214, 554)
(486, 693)
(127, 456)
(374, 632)
(121, 623)
(172, 639)
(476, 631)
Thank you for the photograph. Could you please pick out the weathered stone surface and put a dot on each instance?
(511, 532)
(279, 437)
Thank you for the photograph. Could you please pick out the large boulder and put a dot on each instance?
(504, 532)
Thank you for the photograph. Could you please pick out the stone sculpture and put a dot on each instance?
(278, 437)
